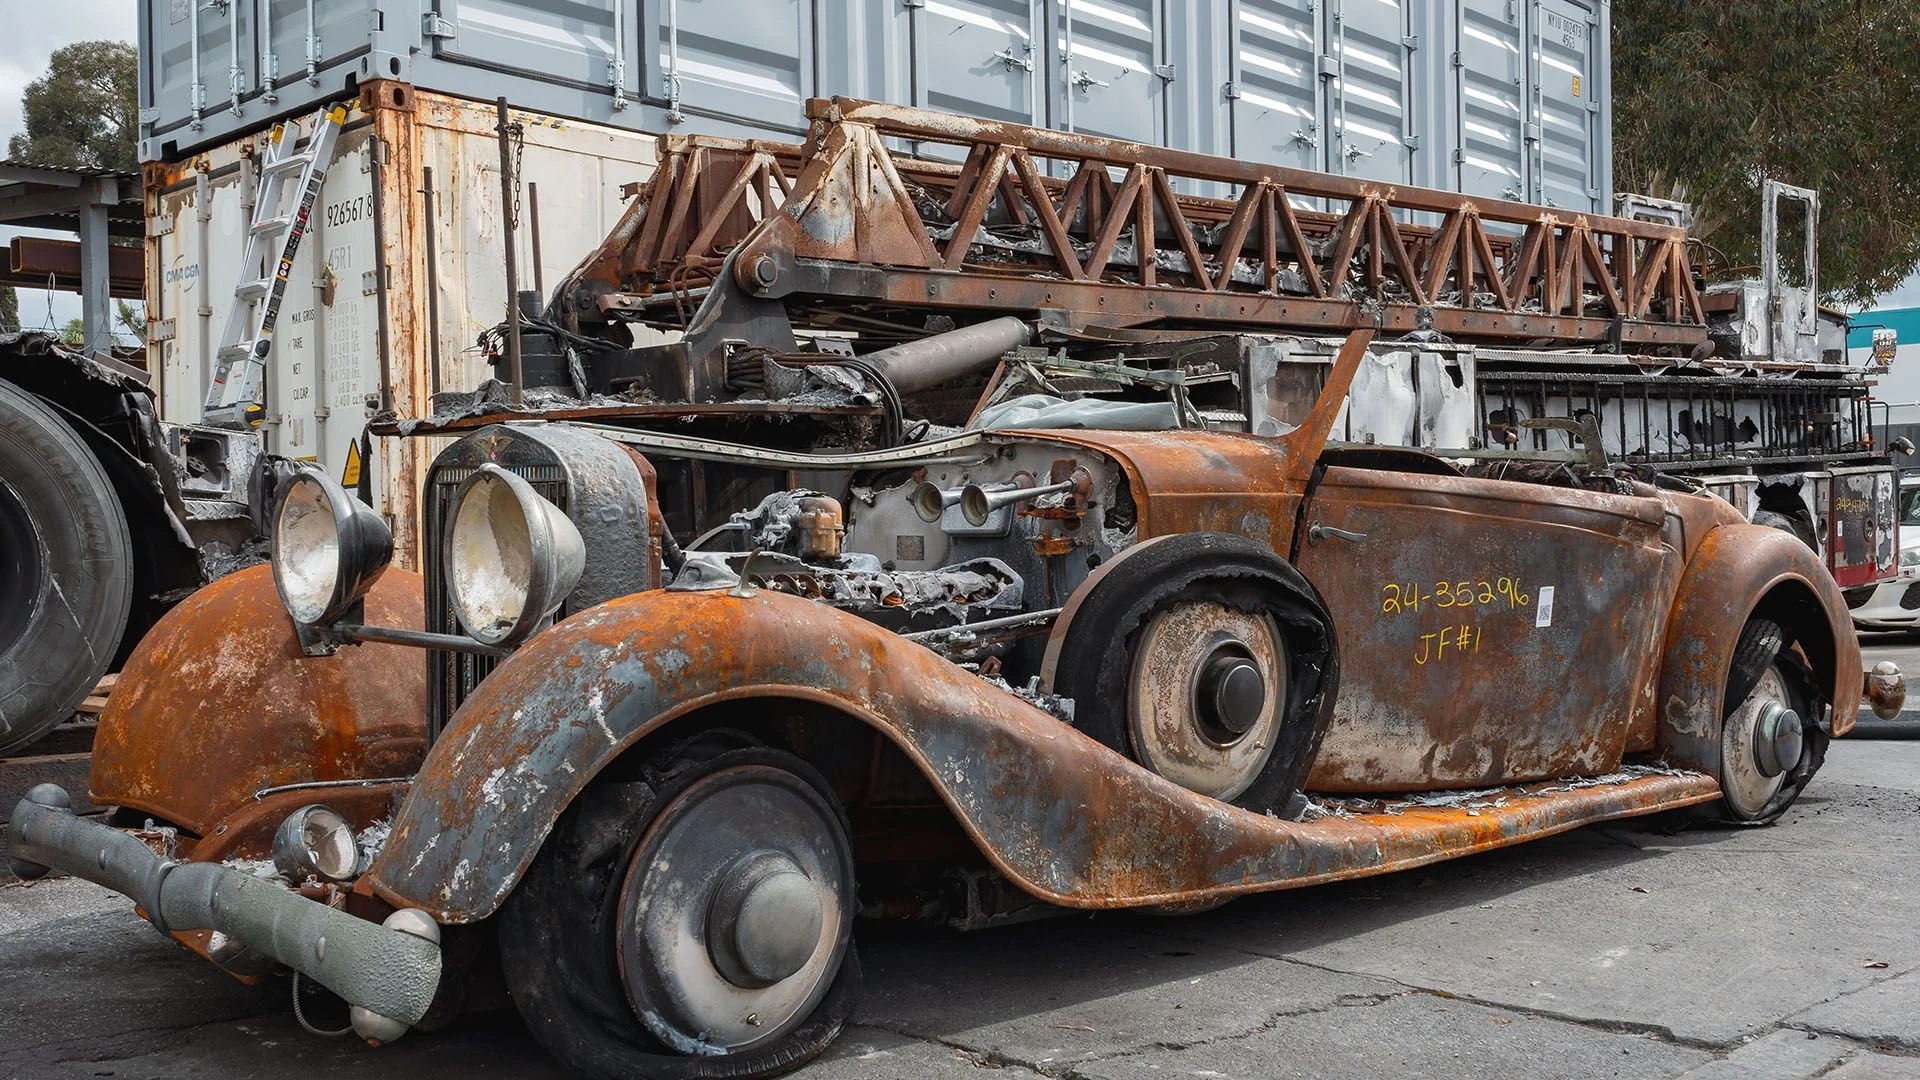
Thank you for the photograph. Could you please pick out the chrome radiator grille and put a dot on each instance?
(452, 676)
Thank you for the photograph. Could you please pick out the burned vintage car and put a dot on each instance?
(984, 675)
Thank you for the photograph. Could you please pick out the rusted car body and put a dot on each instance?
(1139, 669)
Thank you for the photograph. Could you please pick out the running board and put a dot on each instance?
(1345, 837)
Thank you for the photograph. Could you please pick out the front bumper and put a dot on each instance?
(389, 975)
(1889, 605)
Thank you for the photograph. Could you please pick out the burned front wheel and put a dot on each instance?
(692, 920)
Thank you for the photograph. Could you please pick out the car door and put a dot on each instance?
(1490, 631)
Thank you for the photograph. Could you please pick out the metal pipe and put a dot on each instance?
(235, 73)
(930, 361)
(317, 333)
(433, 283)
(203, 217)
(392, 972)
(1066, 58)
(331, 785)
(376, 151)
(199, 89)
(1043, 615)
(268, 61)
(617, 64)
(674, 115)
(313, 47)
(501, 128)
(533, 237)
(394, 636)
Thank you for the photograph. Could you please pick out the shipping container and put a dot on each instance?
(368, 320)
(1507, 98)
(1497, 97)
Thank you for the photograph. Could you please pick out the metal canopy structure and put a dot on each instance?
(94, 205)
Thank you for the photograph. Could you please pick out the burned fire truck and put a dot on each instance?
(1072, 525)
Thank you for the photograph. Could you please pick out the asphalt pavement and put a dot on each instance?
(1611, 951)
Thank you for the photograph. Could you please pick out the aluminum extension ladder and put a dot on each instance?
(279, 222)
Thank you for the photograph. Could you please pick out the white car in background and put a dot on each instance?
(1895, 604)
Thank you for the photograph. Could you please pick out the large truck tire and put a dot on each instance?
(66, 570)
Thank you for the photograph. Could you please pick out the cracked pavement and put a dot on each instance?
(1611, 951)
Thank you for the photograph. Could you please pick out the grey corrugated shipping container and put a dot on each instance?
(1507, 98)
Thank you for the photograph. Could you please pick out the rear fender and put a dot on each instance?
(1740, 571)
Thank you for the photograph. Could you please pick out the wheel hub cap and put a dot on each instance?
(1232, 693)
(1206, 695)
(765, 921)
(1777, 739)
(1760, 741)
(736, 910)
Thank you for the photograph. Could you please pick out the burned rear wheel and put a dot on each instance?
(1206, 658)
(1207, 695)
(694, 920)
(1771, 742)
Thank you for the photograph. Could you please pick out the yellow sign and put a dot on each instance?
(350, 476)
(1576, 86)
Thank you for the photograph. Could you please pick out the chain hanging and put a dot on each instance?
(517, 132)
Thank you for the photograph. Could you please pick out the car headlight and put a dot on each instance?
(315, 842)
(511, 557)
(328, 549)
(1910, 557)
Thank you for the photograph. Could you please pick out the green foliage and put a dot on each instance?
(74, 333)
(132, 320)
(1713, 96)
(83, 113)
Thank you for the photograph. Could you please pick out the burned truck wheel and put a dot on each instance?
(65, 569)
(1206, 658)
(1771, 743)
(694, 920)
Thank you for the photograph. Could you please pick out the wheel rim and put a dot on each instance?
(1760, 745)
(21, 566)
(736, 911)
(1206, 696)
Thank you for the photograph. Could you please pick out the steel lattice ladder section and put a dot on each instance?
(278, 223)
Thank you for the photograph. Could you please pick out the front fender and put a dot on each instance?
(1740, 571)
(217, 702)
(1029, 789)
(1063, 817)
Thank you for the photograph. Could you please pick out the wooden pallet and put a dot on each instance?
(62, 756)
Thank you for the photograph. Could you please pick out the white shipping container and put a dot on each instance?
(365, 256)
(1506, 98)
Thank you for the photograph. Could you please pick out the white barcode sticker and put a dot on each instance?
(1543, 614)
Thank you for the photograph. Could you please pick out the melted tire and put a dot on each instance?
(66, 558)
(557, 932)
(1763, 644)
(1761, 640)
